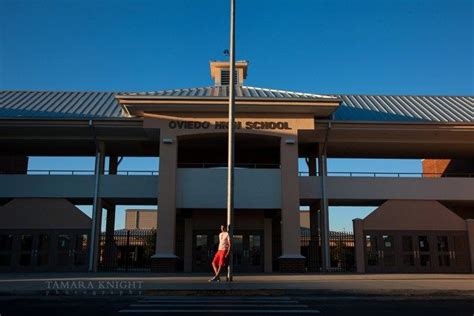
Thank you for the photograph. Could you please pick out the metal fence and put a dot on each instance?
(127, 250)
(131, 251)
(342, 251)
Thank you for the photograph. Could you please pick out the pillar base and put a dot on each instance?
(164, 264)
(291, 264)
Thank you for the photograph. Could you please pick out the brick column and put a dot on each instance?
(359, 244)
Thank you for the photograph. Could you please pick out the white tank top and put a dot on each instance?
(223, 241)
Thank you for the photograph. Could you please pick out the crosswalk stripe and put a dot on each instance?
(215, 301)
(221, 305)
(235, 298)
(229, 311)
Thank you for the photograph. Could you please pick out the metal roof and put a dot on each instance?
(223, 91)
(406, 108)
(50, 104)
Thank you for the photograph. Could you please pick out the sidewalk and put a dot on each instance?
(245, 284)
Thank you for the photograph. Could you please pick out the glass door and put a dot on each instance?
(80, 252)
(372, 253)
(247, 250)
(424, 260)
(25, 255)
(254, 253)
(42, 252)
(202, 252)
(238, 253)
(64, 242)
(443, 246)
(6, 252)
(407, 255)
(387, 254)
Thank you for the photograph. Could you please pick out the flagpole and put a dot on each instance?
(230, 149)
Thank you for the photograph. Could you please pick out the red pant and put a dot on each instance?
(219, 258)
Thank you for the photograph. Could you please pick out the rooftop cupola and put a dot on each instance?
(220, 72)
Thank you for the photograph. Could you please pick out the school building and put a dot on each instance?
(423, 222)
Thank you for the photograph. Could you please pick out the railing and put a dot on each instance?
(392, 174)
(87, 172)
(224, 165)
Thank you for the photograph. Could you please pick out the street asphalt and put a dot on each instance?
(257, 294)
(235, 305)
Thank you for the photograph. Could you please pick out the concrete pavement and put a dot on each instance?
(152, 283)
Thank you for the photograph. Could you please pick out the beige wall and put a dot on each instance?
(288, 160)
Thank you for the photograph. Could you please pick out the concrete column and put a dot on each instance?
(188, 245)
(470, 236)
(314, 264)
(113, 164)
(110, 246)
(359, 244)
(110, 221)
(324, 212)
(291, 259)
(164, 260)
(96, 209)
(267, 245)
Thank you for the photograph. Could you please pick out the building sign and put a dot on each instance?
(225, 125)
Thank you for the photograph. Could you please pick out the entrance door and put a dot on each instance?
(372, 253)
(247, 250)
(24, 260)
(203, 251)
(80, 252)
(71, 251)
(251, 253)
(42, 259)
(33, 251)
(407, 253)
(451, 254)
(6, 252)
(381, 252)
(387, 253)
(424, 260)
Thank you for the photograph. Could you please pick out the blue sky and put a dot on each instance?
(346, 46)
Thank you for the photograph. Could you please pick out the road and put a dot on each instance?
(235, 305)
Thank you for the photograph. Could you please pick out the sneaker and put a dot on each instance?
(214, 279)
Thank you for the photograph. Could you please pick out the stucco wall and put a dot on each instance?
(206, 188)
